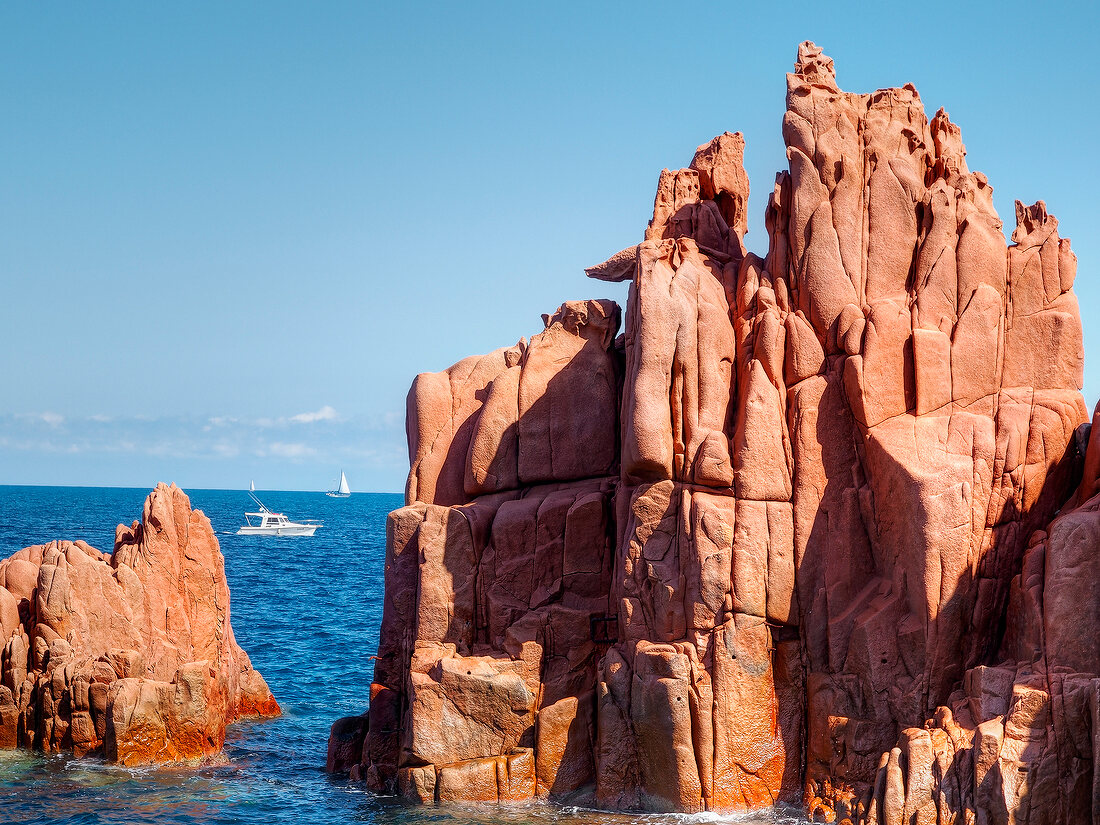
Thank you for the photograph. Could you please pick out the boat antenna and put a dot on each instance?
(252, 495)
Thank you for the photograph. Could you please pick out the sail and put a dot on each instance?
(251, 486)
(344, 488)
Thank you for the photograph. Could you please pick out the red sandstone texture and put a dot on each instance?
(129, 655)
(792, 537)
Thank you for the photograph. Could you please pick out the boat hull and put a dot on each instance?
(288, 530)
(332, 494)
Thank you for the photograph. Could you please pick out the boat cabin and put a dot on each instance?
(267, 519)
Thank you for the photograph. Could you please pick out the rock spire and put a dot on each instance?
(792, 536)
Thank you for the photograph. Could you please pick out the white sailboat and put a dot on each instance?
(343, 491)
(273, 524)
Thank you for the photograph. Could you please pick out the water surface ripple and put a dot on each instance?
(307, 611)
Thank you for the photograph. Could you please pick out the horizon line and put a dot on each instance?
(202, 489)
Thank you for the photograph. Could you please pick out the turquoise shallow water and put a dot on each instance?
(307, 611)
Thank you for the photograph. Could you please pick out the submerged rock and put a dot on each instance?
(128, 655)
(792, 537)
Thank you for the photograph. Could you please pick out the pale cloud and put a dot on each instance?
(214, 446)
(326, 413)
(37, 445)
(51, 418)
(293, 450)
(225, 450)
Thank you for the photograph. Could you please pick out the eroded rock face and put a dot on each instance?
(127, 655)
(783, 540)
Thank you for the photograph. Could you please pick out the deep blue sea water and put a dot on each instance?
(307, 611)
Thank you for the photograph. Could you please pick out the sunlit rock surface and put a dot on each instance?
(128, 655)
(791, 537)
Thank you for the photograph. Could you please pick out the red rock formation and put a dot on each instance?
(127, 655)
(812, 566)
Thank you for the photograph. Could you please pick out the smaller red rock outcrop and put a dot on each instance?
(128, 655)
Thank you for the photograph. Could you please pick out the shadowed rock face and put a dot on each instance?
(127, 655)
(790, 537)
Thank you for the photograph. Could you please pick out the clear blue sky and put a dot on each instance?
(231, 233)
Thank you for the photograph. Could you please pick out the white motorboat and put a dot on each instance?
(343, 490)
(273, 524)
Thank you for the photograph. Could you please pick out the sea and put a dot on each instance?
(307, 612)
